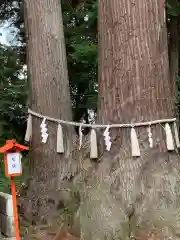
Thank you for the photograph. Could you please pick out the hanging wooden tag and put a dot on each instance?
(134, 144)
(169, 138)
(28, 135)
(93, 145)
(176, 135)
(60, 141)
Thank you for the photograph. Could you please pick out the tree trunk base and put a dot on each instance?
(139, 197)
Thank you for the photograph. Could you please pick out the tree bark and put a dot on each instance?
(47, 67)
(133, 197)
(173, 31)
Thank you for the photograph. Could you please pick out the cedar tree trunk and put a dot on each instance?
(173, 29)
(133, 197)
(47, 66)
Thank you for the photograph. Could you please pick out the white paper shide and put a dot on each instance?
(107, 138)
(44, 133)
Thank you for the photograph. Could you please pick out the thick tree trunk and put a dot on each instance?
(173, 31)
(133, 197)
(50, 96)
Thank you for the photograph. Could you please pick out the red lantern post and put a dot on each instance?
(13, 168)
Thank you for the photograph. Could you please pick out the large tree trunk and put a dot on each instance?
(133, 197)
(173, 31)
(47, 68)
